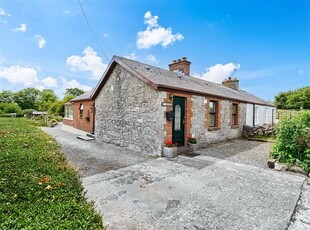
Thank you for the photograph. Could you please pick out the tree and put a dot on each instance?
(57, 108)
(74, 92)
(281, 100)
(297, 99)
(7, 96)
(27, 98)
(46, 99)
(68, 98)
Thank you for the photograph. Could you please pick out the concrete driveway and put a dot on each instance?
(227, 186)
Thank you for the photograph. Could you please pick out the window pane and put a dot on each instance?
(234, 120)
(212, 106)
(177, 117)
(211, 120)
(256, 115)
(234, 110)
(70, 112)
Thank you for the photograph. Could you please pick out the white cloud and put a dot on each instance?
(155, 34)
(40, 40)
(22, 28)
(49, 82)
(2, 12)
(218, 72)
(131, 56)
(40, 87)
(20, 75)
(74, 84)
(151, 58)
(89, 62)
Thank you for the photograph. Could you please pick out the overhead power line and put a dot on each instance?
(92, 31)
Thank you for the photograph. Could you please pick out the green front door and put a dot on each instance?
(178, 121)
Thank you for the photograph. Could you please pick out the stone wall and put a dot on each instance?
(129, 114)
(225, 131)
(254, 131)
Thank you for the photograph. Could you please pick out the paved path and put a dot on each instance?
(301, 217)
(93, 157)
(227, 186)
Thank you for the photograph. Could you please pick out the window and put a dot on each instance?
(234, 114)
(81, 111)
(256, 116)
(213, 110)
(177, 117)
(69, 111)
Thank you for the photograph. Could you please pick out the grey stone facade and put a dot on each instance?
(129, 113)
(204, 136)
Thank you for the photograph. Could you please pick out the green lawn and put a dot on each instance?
(38, 190)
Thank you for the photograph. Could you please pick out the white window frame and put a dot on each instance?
(256, 115)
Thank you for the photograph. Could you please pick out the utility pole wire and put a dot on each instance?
(92, 31)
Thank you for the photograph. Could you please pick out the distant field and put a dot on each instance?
(288, 113)
(37, 188)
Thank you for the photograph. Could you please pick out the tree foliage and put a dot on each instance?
(6, 96)
(297, 99)
(27, 98)
(25, 101)
(74, 92)
(46, 99)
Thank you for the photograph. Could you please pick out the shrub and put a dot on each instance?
(27, 112)
(192, 140)
(293, 141)
(6, 108)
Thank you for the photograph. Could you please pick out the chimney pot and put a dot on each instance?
(180, 65)
(232, 83)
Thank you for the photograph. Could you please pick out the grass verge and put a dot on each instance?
(38, 190)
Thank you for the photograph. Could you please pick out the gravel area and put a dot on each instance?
(93, 157)
(240, 151)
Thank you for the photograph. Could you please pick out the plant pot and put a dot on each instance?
(193, 146)
(170, 152)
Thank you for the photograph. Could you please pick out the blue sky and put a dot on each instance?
(48, 44)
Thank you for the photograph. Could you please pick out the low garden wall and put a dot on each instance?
(255, 131)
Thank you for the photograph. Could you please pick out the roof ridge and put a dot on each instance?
(163, 79)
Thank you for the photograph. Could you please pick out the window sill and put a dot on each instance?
(68, 118)
(235, 127)
(213, 128)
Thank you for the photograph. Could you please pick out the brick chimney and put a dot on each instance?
(182, 65)
(232, 83)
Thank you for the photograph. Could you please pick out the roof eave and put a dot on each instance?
(169, 88)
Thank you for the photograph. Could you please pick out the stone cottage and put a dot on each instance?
(140, 107)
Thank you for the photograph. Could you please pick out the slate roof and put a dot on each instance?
(83, 97)
(161, 79)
